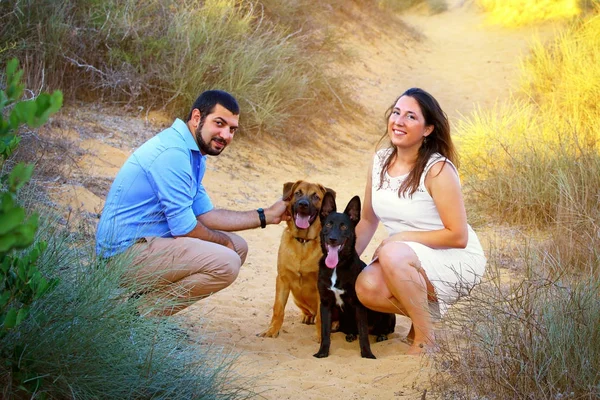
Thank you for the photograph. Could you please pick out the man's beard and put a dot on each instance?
(205, 147)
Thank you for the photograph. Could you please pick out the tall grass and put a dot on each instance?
(523, 12)
(530, 338)
(534, 159)
(533, 162)
(164, 53)
(434, 6)
(520, 167)
(87, 340)
(563, 77)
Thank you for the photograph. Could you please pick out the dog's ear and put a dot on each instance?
(327, 206)
(287, 190)
(353, 210)
(328, 190)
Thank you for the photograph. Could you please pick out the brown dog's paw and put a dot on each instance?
(308, 319)
(268, 333)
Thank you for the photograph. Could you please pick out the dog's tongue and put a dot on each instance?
(302, 221)
(332, 256)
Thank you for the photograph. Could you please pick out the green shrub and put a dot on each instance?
(524, 12)
(68, 328)
(87, 340)
(532, 162)
(519, 168)
(21, 282)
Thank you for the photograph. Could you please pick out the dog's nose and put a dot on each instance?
(303, 203)
(332, 241)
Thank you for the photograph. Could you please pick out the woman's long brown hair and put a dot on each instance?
(438, 141)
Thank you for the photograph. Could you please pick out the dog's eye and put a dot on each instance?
(343, 227)
(316, 197)
(298, 193)
(329, 224)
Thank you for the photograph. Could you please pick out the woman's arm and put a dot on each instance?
(444, 186)
(368, 220)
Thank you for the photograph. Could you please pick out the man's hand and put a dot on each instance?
(227, 241)
(277, 212)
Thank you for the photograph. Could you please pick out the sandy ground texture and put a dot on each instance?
(462, 62)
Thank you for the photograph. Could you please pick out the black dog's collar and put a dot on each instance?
(303, 240)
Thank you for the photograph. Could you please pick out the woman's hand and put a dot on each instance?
(398, 237)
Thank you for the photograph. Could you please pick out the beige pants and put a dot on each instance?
(186, 269)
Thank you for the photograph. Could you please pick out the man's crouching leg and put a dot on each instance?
(184, 270)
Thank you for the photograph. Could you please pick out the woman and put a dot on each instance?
(432, 256)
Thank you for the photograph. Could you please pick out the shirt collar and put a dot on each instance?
(183, 130)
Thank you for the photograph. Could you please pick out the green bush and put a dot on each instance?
(21, 282)
(68, 327)
(533, 332)
(86, 339)
(533, 161)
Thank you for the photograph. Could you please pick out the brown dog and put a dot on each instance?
(299, 254)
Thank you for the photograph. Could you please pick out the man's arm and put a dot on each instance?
(209, 224)
(202, 232)
(228, 220)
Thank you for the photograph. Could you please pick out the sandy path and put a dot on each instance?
(460, 62)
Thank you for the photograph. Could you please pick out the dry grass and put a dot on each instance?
(533, 162)
(523, 12)
(533, 157)
(156, 54)
(530, 336)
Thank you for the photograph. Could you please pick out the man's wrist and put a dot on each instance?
(262, 218)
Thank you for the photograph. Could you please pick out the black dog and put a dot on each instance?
(338, 269)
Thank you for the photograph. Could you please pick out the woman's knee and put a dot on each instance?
(398, 259)
(366, 288)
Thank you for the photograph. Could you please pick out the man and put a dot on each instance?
(158, 212)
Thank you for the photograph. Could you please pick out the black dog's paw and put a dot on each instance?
(321, 354)
(381, 338)
(351, 337)
(335, 326)
(367, 354)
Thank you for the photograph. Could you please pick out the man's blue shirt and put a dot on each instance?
(157, 192)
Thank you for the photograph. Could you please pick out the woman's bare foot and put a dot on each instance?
(410, 338)
(416, 349)
(419, 344)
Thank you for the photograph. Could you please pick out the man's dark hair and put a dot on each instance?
(206, 102)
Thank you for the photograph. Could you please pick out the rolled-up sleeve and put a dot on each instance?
(171, 178)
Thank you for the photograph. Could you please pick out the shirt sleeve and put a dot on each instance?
(202, 203)
(172, 180)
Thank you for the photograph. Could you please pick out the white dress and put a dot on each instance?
(452, 272)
